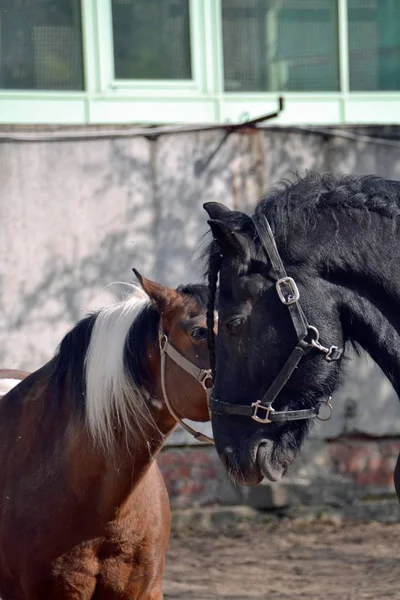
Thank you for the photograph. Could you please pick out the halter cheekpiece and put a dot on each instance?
(262, 410)
(203, 376)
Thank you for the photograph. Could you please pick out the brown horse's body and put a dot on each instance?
(77, 522)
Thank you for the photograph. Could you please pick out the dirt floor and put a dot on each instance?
(286, 559)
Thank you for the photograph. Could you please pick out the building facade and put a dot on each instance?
(199, 61)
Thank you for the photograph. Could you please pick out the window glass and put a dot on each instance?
(374, 44)
(151, 39)
(40, 45)
(280, 45)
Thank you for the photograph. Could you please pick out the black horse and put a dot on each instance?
(316, 268)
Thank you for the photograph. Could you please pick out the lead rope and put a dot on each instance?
(201, 437)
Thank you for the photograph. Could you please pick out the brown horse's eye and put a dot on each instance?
(198, 333)
(235, 325)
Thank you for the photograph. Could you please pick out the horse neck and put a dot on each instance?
(108, 479)
(362, 263)
(120, 469)
(133, 455)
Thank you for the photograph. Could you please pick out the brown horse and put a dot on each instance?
(84, 512)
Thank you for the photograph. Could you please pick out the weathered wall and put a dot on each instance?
(77, 215)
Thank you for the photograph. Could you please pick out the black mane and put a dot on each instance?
(69, 360)
(294, 203)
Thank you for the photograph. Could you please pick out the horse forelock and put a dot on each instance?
(114, 398)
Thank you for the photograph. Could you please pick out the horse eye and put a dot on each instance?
(198, 333)
(235, 325)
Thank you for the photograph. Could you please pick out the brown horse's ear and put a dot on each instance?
(231, 242)
(161, 296)
(216, 210)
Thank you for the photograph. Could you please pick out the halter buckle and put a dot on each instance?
(331, 354)
(294, 291)
(334, 353)
(206, 379)
(268, 410)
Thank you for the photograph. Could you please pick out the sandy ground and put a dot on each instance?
(286, 559)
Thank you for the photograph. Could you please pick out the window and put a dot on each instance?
(40, 45)
(151, 39)
(199, 61)
(280, 45)
(374, 44)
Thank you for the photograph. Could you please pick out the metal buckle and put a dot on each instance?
(293, 296)
(268, 409)
(206, 379)
(334, 353)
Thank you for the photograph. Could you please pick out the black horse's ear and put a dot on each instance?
(232, 242)
(215, 210)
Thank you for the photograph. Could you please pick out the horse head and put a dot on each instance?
(297, 281)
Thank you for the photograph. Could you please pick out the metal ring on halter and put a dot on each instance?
(207, 380)
(328, 404)
(314, 340)
(163, 342)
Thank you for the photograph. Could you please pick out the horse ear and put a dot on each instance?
(215, 210)
(161, 296)
(231, 241)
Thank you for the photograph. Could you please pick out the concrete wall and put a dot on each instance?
(77, 215)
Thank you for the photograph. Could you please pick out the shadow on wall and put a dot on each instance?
(77, 216)
(61, 298)
(86, 223)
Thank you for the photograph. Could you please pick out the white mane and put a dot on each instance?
(111, 397)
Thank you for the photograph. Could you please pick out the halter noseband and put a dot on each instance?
(203, 376)
(307, 340)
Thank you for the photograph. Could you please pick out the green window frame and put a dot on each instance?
(107, 100)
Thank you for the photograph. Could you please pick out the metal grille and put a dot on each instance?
(40, 45)
(151, 39)
(278, 45)
(374, 44)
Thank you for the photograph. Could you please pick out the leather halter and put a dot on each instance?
(203, 376)
(307, 340)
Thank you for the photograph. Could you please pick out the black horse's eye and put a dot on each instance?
(198, 333)
(235, 325)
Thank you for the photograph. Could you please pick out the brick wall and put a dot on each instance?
(352, 475)
(367, 462)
